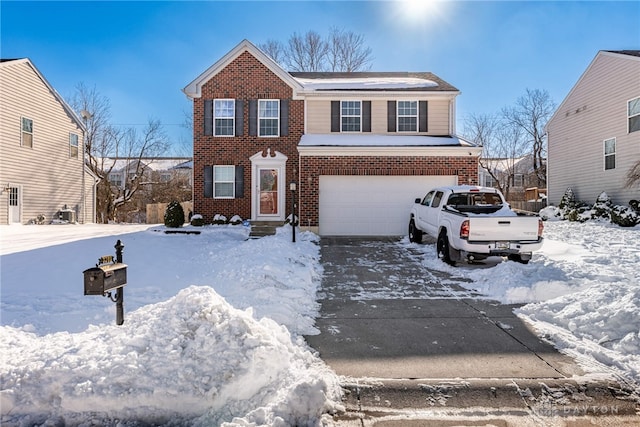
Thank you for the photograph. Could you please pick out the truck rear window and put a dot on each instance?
(475, 202)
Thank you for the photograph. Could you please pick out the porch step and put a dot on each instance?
(263, 228)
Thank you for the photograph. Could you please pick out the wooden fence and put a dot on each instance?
(155, 212)
(528, 206)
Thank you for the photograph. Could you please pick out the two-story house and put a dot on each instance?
(359, 147)
(42, 171)
(594, 135)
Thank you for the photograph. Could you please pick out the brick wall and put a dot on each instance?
(311, 167)
(244, 78)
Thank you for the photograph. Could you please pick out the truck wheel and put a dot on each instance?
(443, 249)
(415, 234)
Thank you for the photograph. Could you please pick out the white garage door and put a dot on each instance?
(371, 205)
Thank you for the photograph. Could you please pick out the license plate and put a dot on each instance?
(502, 245)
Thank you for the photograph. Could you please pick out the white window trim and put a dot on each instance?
(22, 132)
(359, 116)
(233, 117)
(269, 118)
(605, 155)
(77, 145)
(630, 116)
(233, 182)
(417, 116)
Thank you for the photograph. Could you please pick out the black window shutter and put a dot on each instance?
(391, 116)
(239, 181)
(253, 117)
(284, 117)
(335, 116)
(208, 116)
(366, 116)
(239, 117)
(423, 107)
(208, 181)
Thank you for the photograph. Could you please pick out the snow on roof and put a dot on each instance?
(155, 164)
(360, 140)
(375, 83)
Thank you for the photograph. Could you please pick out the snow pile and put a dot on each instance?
(191, 360)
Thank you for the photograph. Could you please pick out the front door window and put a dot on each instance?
(268, 192)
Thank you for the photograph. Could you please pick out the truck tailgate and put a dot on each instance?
(503, 228)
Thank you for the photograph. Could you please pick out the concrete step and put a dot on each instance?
(263, 228)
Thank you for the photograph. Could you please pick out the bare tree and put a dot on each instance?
(531, 113)
(633, 176)
(347, 51)
(275, 49)
(104, 141)
(341, 51)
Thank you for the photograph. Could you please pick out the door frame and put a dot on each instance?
(278, 162)
(14, 213)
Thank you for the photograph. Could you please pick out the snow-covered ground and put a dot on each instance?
(214, 322)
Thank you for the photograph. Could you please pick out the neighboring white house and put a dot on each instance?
(42, 172)
(594, 135)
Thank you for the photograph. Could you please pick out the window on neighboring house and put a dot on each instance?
(351, 116)
(73, 145)
(116, 179)
(489, 181)
(27, 132)
(407, 116)
(165, 177)
(610, 154)
(223, 182)
(224, 111)
(268, 117)
(634, 115)
(518, 180)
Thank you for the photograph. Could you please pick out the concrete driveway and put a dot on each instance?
(406, 337)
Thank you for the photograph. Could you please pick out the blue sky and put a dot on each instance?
(141, 54)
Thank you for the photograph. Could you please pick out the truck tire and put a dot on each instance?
(442, 248)
(415, 234)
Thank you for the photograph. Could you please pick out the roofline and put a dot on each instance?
(60, 99)
(386, 151)
(194, 89)
(582, 76)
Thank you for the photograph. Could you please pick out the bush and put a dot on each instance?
(197, 220)
(235, 220)
(219, 219)
(635, 205)
(174, 215)
(624, 216)
(602, 208)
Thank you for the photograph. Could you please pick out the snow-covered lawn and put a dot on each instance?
(214, 322)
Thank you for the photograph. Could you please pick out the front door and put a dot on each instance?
(268, 184)
(14, 205)
(269, 199)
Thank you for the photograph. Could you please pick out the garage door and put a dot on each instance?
(371, 205)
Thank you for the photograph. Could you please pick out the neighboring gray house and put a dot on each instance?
(594, 136)
(513, 176)
(42, 173)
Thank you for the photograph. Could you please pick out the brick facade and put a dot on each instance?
(244, 78)
(312, 167)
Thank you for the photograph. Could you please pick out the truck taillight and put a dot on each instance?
(464, 229)
(540, 227)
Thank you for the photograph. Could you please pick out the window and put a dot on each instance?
(165, 177)
(116, 179)
(223, 182)
(73, 145)
(437, 199)
(351, 116)
(268, 117)
(27, 132)
(489, 181)
(518, 180)
(428, 197)
(609, 154)
(407, 116)
(634, 115)
(224, 117)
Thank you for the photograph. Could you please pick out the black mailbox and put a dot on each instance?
(104, 278)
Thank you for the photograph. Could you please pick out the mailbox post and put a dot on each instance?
(106, 277)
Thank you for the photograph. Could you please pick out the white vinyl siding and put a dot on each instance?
(596, 109)
(48, 177)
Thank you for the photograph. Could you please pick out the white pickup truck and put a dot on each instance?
(472, 223)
